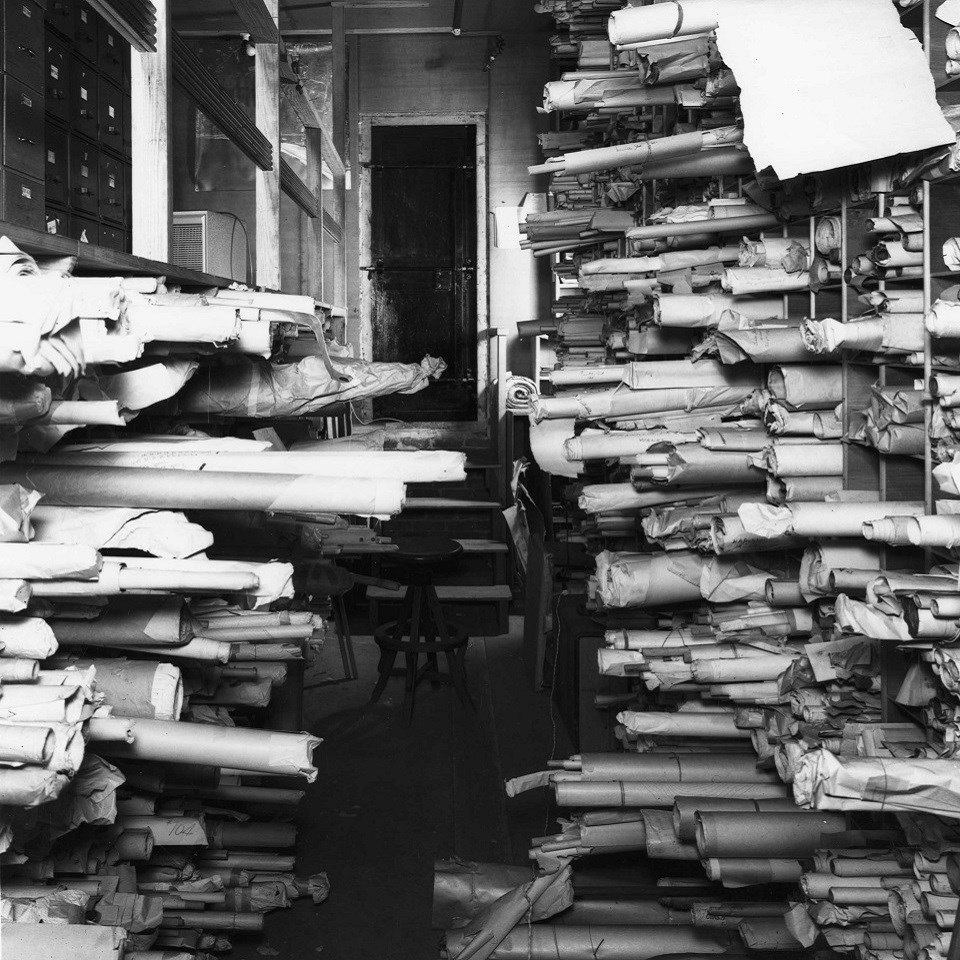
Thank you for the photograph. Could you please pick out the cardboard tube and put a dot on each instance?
(154, 622)
(20, 743)
(619, 793)
(19, 670)
(685, 809)
(673, 768)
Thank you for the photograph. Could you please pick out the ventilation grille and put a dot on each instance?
(188, 246)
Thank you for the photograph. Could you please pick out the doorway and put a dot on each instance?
(423, 271)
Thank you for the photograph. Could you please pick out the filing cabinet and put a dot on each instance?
(23, 42)
(111, 189)
(112, 237)
(23, 199)
(84, 177)
(57, 222)
(57, 178)
(84, 94)
(60, 15)
(110, 52)
(22, 127)
(85, 31)
(57, 84)
(84, 229)
(110, 116)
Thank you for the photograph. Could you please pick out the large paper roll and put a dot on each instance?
(686, 807)
(640, 580)
(673, 768)
(777, 835)
(708, 725)
(128, 622)
(48, 561)
(288, 754)
(28, 637)
(206, 490)
(138, 688)
(623, 793)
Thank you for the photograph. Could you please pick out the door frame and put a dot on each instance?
(430, 433)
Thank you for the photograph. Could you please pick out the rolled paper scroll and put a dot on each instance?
(42, 703)
(707, 310)
(743, 281)
(421, 466)
(894, 253)
(678, 18)
(29, 637)
(816, 520)
(686, 807)
(670, 768)
(775, 253)
(769, 834)
(827, 782)
(14, 595)
(806, 387)
(207, 490)
(19, 670)
(661, 842)
(803, 460)
(943, 319)
(748, 669)
(245, 749)
(138, 688)
(690, 464)
(749, 871)
(618, 443)
(707, 725)
(929, 531)
(47, 561)
(639, 580)
(29, 787)
(153, 621)
(23, 744)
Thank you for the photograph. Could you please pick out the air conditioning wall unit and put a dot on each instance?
(210, 242)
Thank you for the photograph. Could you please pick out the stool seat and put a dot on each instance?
(388, 637)
(423, 551)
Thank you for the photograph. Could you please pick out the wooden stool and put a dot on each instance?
(422, 628)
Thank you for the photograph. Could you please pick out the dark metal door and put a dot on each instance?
(423, 263)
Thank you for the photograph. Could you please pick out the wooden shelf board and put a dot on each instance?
(97, 259)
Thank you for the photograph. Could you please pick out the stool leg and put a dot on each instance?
(430, 636)
(460, 656)
(457, 677)
(410, 687)
(384, 667)
(347, 654)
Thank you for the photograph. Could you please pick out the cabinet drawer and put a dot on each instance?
(84, 91)
(110, 116)
(111, 237)
(22, 127)
(23, 42)
(127, 195)
(127, 126)
(85, 30)
(57, 179)
(23, 200)
(84, 229)
(111, 189)
(59, 15)
(57, 84)
(84, 176)
(111, 49)
(57, 222)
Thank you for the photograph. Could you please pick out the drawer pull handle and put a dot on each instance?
(32, 54)
(32, 143)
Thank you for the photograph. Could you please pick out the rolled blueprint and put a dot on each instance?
(138, 688)
(288, 754)
(818, 520)
(670, 768)
(677, 18)
(708, 725)
(806, 387)
(706, 310)
(641, 580)
(128, 622)
(206, 490)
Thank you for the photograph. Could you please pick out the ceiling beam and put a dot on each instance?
(256, 18)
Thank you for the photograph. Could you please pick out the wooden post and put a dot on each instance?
(314, 241)
(267, 86)
(339, 55)
(152, 183)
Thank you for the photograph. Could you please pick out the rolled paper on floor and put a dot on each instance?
(768, 834)
(206, 490)
(420, 466)
(245, 749)
(161, 621)
(671, 768)
(48, 561)
(685, 809)
(709, 725)
(21, 744)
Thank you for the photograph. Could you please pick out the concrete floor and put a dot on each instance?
(390, 799)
